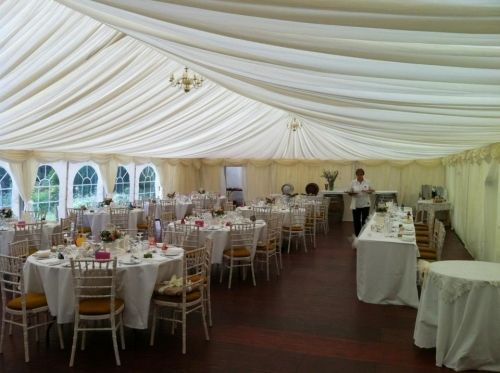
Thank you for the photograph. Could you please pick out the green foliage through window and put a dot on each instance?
(45, 195)
(85, 186)
(5, 188)
(147, 183)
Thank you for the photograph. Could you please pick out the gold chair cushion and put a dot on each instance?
(85, 230)
(270, 247)
(190, 297)
(428, 255)
(33, 300)
(98, 306)
(197, 278)
(295, 228)
(237, 252)
(142, 226)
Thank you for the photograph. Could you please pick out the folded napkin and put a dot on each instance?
(41, 254)
(170, 287)
(52, 261)
(409, 227)
(408, 238)
(174, 251)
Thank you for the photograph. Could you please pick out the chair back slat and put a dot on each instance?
(11, 279)
(119, 217)
(94, 279)
(189, 234)
(242, 235)
(20, 249)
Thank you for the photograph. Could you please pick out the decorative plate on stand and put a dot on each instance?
(287, 188)
(312, 189)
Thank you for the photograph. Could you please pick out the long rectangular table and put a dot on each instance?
(386, 271)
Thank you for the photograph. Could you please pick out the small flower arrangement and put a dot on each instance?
(6, 212)
(201, 191)
(330, 175)
(110, 235)
(270, 201)
(171, 195)
(107, 201)
(218, 212)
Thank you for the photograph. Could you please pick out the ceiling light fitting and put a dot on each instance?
(294, 124)
(186, 82)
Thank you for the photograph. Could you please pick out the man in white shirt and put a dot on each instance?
(360, 203)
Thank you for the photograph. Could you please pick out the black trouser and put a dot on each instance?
(359, 216)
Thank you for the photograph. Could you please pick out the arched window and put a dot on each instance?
(5, 188)
(45, 195)
(147, 183)
(85, 186)
(122, 185)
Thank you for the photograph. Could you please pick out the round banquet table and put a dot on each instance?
(135, 285)
(7, 236)
(98, 220)
(220, 237)
(459, 314)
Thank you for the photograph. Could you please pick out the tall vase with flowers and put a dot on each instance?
(330, 177)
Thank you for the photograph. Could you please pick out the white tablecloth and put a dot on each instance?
(6, 237)
(98, 220)
(220, 237)
(386, 271)
(135, 286)
(459, 314)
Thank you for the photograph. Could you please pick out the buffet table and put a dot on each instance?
(428, 205)
(386, 271)
(378, 195)
(459, 314)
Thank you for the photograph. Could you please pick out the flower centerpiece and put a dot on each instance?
(110, 235)
(201, 191)
(107, 201)
(171, 195)
(218, 212)
(270, 201)
(330, 177)
(6, 213)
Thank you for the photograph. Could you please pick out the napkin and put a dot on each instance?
(52, 261)
(171, 251)
(408, 228)
(408, 238)
(41, 254)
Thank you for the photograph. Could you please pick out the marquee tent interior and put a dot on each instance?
(408, 91)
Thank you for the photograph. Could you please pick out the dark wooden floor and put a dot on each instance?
(307, 320)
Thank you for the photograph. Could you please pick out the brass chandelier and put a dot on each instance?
(186, 81)
(294, 124)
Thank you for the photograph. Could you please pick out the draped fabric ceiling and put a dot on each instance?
(367, 80)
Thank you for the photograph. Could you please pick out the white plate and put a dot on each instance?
(130, 262)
